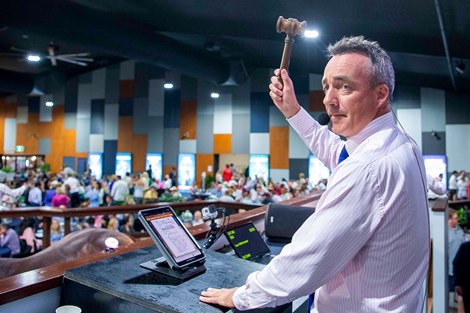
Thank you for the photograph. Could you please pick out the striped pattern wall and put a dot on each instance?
(124, 108)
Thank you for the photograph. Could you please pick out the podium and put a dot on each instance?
(119, 284)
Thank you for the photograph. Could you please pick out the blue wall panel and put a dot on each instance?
(126, 106)
(172, 108)
(97, 116)
(33, 104)
(297, 166)
(109, 156)
(259, 122)
(71, 96)
(112, 84)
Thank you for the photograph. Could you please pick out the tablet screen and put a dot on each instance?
(166, 229)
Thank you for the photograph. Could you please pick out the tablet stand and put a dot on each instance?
(161, 266)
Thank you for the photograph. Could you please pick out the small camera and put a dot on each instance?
(209, 212)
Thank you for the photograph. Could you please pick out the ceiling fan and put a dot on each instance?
(52, 54)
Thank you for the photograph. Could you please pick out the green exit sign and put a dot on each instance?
(19, 149)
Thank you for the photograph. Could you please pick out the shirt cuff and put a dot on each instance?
(302, 122)
(240, 299)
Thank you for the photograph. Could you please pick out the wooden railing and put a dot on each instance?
(35, 281)
(47, 213)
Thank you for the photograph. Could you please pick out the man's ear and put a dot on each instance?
(382, 94)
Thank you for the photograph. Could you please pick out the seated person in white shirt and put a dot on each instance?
(366, 247)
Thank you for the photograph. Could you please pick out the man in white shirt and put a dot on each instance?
(120, 191)
(366, 247)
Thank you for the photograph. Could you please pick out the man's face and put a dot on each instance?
(453, 221)
(350, 100)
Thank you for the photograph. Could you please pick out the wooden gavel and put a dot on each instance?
(291, 27)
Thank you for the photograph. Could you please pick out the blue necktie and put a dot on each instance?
(343, 155)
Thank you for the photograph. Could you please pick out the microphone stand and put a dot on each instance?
(213, 235)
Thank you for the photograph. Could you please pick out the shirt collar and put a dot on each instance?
(380, 123)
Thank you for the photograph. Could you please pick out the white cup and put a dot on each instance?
(68, 309)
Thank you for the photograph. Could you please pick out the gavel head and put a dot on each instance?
(290, 26)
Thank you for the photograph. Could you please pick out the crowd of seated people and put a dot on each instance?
(67, 189)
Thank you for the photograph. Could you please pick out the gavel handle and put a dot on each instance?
(285, 60)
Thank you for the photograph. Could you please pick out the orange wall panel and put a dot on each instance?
(126, 88)
(278, 147)
(139, 150)
(203, 160)
(125, 134)
(188, 119)
(222, 143)
(315, 99)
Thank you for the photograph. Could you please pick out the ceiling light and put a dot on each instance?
(34, 58)
(311, 33)
(49, 103)
(168, 86)
(215, 95)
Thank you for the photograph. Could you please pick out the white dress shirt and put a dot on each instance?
(120, 190)
(366, 248)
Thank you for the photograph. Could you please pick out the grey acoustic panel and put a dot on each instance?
(142, 122)
(111, 121)
(315, 82)
(109, 157)
(457, 108)
(188, 88)
(68, 162)
(304, 101)
(276, 118)
(297, 166)
(205, 104)
(259, 143)
(187, 146)
(96, 143)
(241, 98)
(142, 76)
(83, 134)
(112, 84)
(22, 101)
(59, 95)
(127, 70)
(70, 120)
(458, 146)
(71, 95)
(21, 114)
(407, 97)
(433, 110)
(84, 78)
(205, 136)
(97, 116)
(260, 80)
(45, 146)
(297, 148)
(9, 138)
(301, 82)
(156, 98)
(241, 134)
(98, 84)
(84, 101)
(171, 146)
(155, 134)
(434, 143)
(278, 174)
(45, 112)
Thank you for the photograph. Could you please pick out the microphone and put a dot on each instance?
(323, 119)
